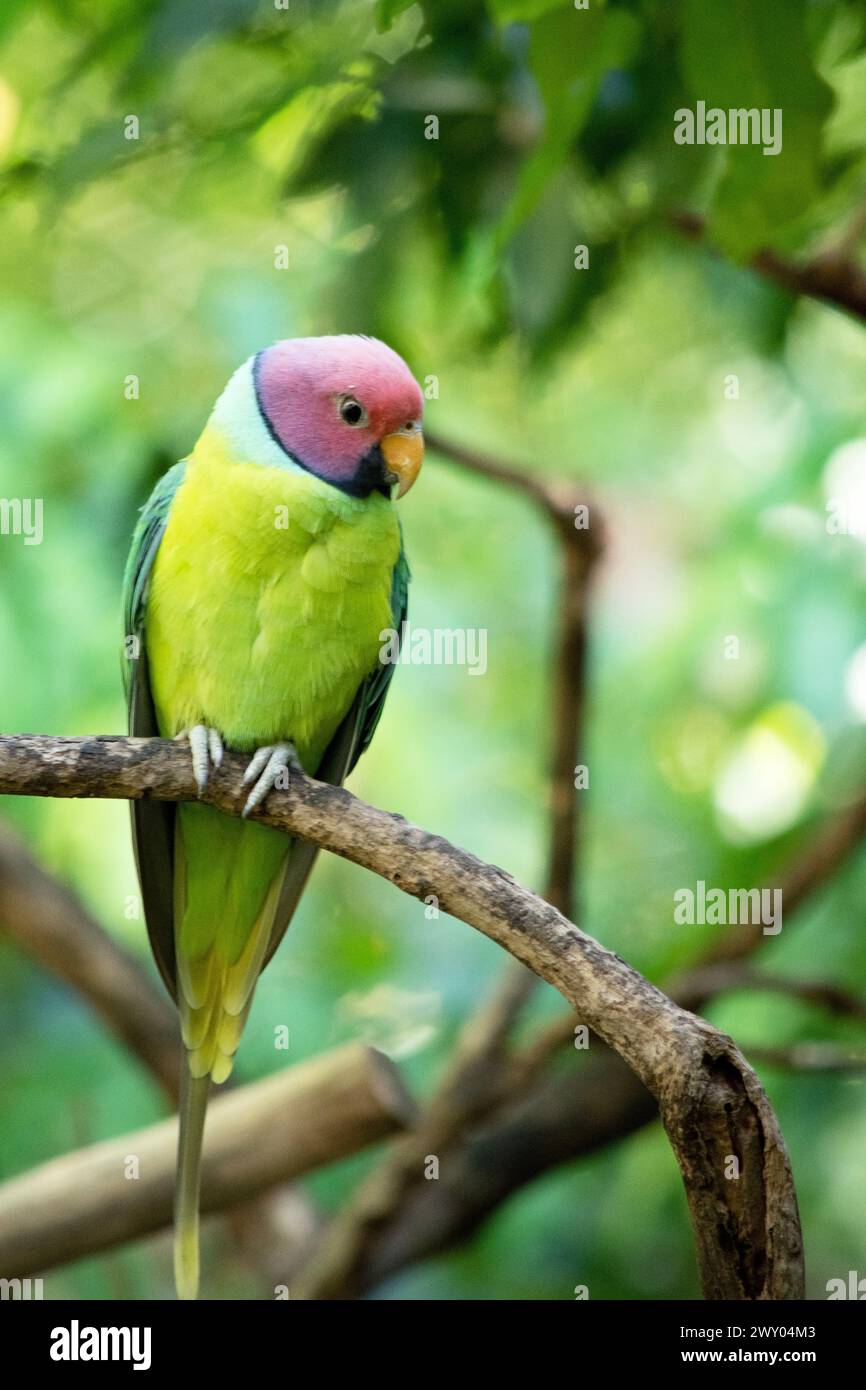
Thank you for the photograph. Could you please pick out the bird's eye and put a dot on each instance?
(352, 412)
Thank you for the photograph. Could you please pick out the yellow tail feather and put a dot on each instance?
(194, 1092)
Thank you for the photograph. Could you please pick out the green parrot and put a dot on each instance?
(264, 572)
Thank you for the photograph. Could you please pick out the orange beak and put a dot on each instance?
(403, 454)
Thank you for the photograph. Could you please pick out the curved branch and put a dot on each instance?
(557, 497)
(746, 1226)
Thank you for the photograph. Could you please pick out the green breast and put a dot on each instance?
(268, 597)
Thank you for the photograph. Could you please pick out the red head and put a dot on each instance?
(346, 408)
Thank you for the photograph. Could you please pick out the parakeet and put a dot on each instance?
(263, 572)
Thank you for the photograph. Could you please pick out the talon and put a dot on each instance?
(215, 747)
(198, 745)
(266, 765)
(206, 747)
(257, 762)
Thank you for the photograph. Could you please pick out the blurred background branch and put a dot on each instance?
(832, 276)
(269, 1132)
(48, 922)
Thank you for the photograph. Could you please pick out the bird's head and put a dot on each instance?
(344, 408)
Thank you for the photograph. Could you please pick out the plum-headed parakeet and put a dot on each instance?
(263, 571)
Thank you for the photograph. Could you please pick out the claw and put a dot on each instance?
(215, 747)
(206, 748)
(257, 762)
(264, 768)
(200, 759)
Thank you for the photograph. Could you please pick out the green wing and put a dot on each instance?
(376, 686)
(152, 821)
(145, 542)
(351, 740)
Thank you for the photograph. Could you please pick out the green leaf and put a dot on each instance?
(570, 53)
(846, 128)
(752, 54)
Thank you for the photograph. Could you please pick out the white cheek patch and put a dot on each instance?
(237, 417)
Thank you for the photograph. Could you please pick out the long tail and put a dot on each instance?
(194, 1091)
(227, 881)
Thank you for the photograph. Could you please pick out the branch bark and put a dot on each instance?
(258, 1135)
(746, 1231)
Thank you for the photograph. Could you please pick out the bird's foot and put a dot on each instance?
(268, 767)
(206, 748)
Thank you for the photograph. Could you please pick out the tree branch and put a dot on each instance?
(712, 1105)
(811, 1056)
(557, 497)
(831, 277)
(722, 977)
(257, 1135)
(47, 921)
(563, 1116)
